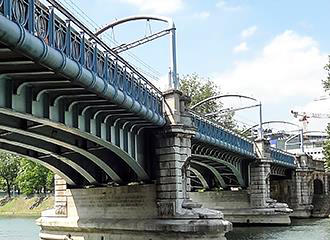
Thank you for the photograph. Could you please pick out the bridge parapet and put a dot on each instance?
(283, 158)
(94, 65)
(215, 134)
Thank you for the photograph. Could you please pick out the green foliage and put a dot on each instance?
(326, 83)
(32, 178)
(28, 176)
(9, 165)
(198, 89)
(326, 148)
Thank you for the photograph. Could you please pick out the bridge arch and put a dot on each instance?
(46, 131)
(229, 165)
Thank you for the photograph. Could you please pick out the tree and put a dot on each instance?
(198, 89)
(326, 147)
(326, 85)
(33, 178)
(9, 165)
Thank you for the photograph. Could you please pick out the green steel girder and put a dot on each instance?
(200, 177)
(35, 84)
(233, 168)
(124, 156)
(78, 162)
(216, 174)
(53, 155)
(107, 169)
(68, 175)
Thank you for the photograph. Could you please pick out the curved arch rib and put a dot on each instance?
(131, 162)
(65, 160)
(232, 167)
(108, 170)
(66, 178)
(214, 171)
(200, 177)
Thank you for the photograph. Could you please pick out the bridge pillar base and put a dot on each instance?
(235, 206)
(134, 229)
(125, 213)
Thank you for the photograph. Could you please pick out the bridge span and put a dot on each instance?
(132, 162)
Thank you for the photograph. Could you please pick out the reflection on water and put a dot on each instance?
(305, 229)
(12, 228)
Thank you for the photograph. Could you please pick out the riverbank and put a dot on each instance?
(23, 207)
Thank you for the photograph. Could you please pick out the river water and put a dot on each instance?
(310, 229)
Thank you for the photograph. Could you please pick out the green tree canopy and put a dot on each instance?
(326, 85)
(33, 178)
(9, 165)
(199, 88)
(326, 82)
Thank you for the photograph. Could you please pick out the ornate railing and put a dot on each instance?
(213, 133)
(69, 36)
(282, 158)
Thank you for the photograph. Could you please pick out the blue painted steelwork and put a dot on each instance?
(69, 48)
(280, 157)
(215, 134)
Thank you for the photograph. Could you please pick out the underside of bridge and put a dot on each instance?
(77, 133)
(214, 168)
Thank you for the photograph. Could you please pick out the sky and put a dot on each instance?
(274, 51)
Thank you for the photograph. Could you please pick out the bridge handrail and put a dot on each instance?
(282, 156)
(83, 46)
(99, 41)
(200, 117)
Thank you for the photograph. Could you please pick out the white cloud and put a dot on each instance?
(290, 65)
(248, 32)
(222, 4)
(242, 47)
(162, 83)
(156, 7)
(202, 15)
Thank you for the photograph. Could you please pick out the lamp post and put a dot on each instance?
(260, 132)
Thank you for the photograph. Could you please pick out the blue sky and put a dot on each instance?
(272, 50)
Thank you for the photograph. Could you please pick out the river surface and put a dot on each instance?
(310, 229)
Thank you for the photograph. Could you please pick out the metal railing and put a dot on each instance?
(59, 29)
(281, 157)
(214, 133)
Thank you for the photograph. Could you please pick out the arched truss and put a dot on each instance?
(197, 178)
(219, 163)
(77, 156)
(212, 169)
(276, 170)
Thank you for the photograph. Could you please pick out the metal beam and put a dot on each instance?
(235, 172)
(65, 160)
(214, 171)
(131, 162)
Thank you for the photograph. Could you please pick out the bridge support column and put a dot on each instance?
(172, 186)
(264, 209)
(301, 199)
(259, 184)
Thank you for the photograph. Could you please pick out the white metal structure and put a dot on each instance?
(305, 115)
